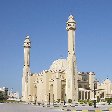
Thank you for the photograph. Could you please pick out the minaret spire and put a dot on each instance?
(71, 79)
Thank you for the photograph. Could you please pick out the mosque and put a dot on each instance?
(62, 81)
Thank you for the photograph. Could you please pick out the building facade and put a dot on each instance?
(13, 95)
(59, 83)
(105, 90)
(86, 85)
(62, 81)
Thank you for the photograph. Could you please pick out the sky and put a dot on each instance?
(45, 22)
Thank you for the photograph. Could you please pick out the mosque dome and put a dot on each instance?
(59, 65)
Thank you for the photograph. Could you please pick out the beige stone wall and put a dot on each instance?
(32, 87)
(105, 88)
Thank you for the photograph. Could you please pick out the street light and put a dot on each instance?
(65, 99)
(49, 98)
(95, 89)
(95, 82)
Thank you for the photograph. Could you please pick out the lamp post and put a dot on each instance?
(94, 94)
(95, 89)
(65, 99)
(49, 98)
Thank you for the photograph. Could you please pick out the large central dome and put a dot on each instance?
(59, 65)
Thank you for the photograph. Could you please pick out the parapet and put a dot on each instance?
(86, 73)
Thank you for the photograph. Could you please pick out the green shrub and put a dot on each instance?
(81, 102)
(109, 100)
(69, 100)
(58, 100)
(90, 103)
(85, 101)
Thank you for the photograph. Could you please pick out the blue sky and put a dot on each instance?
(45, 22)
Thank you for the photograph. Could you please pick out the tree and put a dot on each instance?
(1, 95)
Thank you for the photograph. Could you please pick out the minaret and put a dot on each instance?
(26, 68)
(71, 77)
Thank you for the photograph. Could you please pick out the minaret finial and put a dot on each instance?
(27, 42)
(27, 36)
(71, 24)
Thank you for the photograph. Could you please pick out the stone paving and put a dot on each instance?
(12, 107)
(18, 107)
